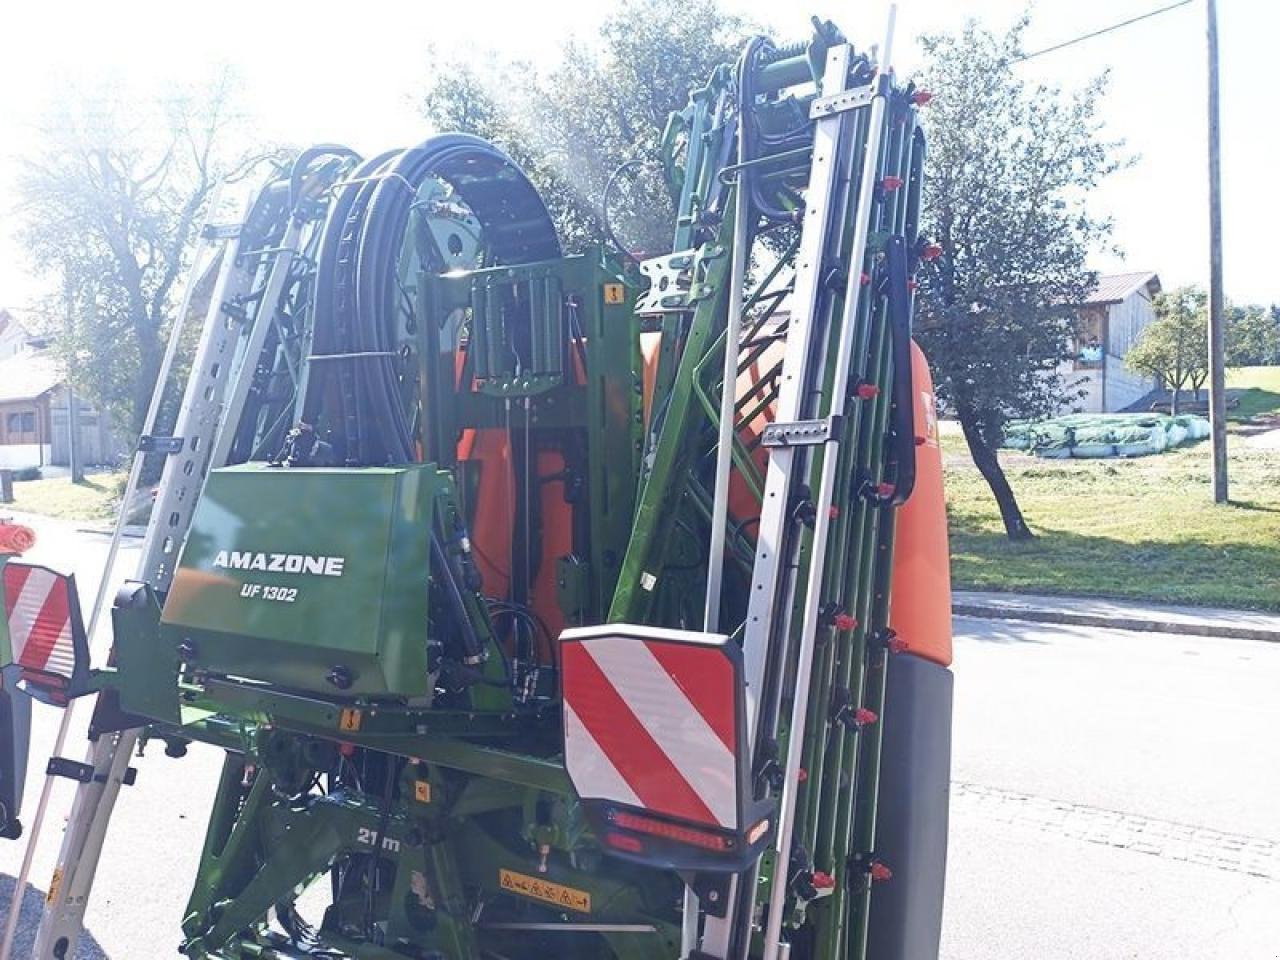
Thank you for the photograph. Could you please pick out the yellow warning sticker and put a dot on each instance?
(614, 293)
(350, 719)
(422, 791)
(555, 894)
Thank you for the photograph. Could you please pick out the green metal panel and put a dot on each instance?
(290, 573)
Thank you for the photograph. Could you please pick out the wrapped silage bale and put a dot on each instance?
(1197, 427)
(1142, 441)
(1090, 451)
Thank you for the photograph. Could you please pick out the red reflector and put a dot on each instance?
(844, 622)
(891, 183)
(670, 831)
(921, 97)
(620, 841)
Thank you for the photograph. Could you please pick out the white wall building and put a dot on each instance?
(34, 413)
(1111, 320)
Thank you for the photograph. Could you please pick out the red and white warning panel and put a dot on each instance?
(655, 744)
(46, 632)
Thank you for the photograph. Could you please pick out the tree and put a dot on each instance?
(1007, 172)
(1174, 348)
(1253, 336)
(109, 204)
(603, 105)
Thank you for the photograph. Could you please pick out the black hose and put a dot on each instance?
(358, 299)
(303, 160)
(609, 186)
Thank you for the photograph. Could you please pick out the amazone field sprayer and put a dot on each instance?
(546, 606)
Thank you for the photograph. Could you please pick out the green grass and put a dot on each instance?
(1261, 396)
(1141, 529)
(94, 499)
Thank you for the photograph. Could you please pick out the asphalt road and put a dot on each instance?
(1116, 795)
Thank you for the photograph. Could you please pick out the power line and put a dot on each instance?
(1098, 33)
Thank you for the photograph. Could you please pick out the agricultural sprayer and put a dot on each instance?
(577, 606)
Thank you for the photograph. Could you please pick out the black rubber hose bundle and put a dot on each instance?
(357, 390)
(357, 294)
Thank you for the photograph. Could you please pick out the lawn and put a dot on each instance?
(1261, 393)
(94, 499)
(1143, 528)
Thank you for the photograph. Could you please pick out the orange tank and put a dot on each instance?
(920, 612)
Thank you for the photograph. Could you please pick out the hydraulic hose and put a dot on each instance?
(358, 302)
(357, 273)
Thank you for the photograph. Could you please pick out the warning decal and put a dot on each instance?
(555, 894)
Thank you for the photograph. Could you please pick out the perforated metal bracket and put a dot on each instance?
(853, 99)
(165, 445)
(220, 231)
(802, 433)
(675, 280)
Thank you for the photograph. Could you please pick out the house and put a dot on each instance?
(1111, 320)
(34, 413)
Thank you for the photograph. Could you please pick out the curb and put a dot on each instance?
(1113, 622)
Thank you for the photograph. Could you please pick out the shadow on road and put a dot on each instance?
(997, 631)
(32, 904)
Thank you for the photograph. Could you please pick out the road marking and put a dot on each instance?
(1234, 852)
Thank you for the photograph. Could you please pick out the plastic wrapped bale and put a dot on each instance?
(1051, 435)
(1142, 441)
(1197, 427)
(1091, 451)
(1018, 435)
(1175, 434)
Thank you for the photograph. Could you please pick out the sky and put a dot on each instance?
(351, 73)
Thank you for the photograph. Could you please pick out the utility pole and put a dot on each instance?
(74, 459)
(1217, 320)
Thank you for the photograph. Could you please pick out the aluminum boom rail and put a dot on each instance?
(768, 609)
(826, 496)
(131, 488)
(210, 410)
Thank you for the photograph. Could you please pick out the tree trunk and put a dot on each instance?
(1173, 402)
(988, 464)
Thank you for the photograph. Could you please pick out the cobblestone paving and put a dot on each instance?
(1235, 852)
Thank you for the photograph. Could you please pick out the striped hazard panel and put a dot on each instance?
(46, 635)
(651, 721)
